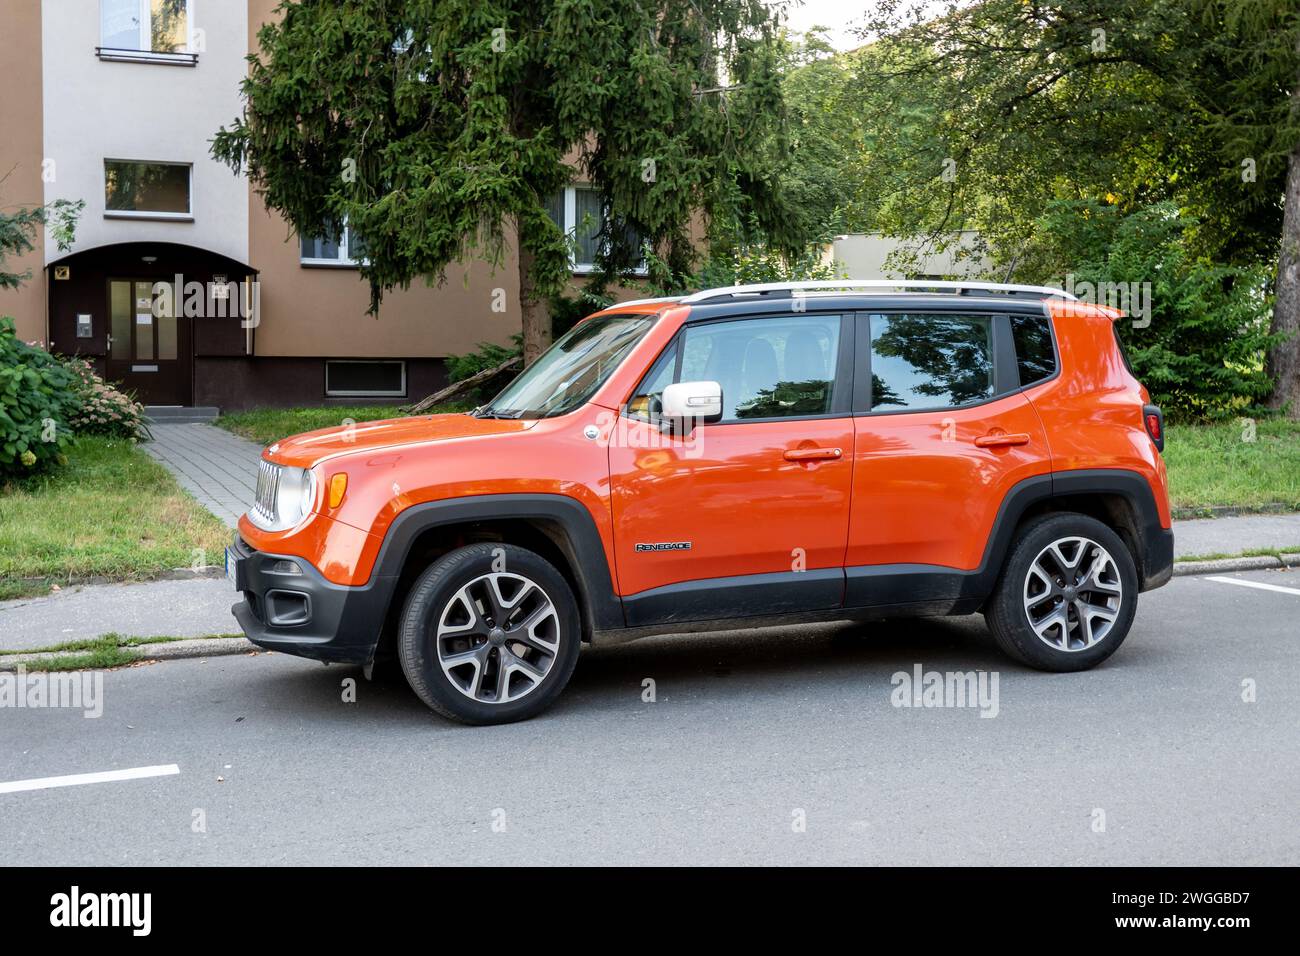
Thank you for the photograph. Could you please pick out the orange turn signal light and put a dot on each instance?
(338, 487)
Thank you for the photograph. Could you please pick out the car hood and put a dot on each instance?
(309, 448)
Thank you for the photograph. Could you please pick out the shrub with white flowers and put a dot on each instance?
(103, 409)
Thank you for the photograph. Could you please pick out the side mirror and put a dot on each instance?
(692, 400)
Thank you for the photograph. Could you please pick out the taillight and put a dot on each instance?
(1154, 419)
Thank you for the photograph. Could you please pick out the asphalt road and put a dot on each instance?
(750, 734)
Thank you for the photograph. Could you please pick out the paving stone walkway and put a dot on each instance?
(216, 467)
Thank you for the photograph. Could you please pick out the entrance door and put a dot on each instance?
(149, 349)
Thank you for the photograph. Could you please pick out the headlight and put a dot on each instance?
(284, 496)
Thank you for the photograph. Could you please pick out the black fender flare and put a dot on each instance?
(585, 550)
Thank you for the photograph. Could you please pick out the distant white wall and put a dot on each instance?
(864, 255)
(96, 109)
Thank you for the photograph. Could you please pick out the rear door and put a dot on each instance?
(748, 515)
(943, 433)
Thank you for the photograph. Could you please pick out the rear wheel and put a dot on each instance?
(1067, 594)
(489, 634)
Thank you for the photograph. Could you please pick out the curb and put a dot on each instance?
(1270, 509)
(171, 650)
(1258, 563)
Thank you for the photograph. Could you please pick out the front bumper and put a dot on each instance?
(304, 614)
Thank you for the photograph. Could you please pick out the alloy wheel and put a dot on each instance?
(498, 637)
(1073, 594)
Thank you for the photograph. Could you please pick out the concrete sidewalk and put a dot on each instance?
(216, 467)
(196, 607)
(1214, 536)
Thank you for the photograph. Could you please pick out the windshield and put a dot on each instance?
(570, 371)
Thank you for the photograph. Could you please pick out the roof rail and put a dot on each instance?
(880, 286)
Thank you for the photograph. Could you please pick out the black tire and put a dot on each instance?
(436, 596)
(1009, 619)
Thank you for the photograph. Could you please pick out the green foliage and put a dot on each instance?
(18, 230)
(37, 400)
(101, 408)
(438, 129)
(1202, 354)
(488, 355)
(1131, 102)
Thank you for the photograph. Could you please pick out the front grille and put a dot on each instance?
(268, 484)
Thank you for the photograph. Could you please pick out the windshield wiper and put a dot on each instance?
(507, 414)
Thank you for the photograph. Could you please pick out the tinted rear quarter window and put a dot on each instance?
(930, 361)
(1035, 356)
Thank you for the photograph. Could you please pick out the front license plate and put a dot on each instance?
(232, 562)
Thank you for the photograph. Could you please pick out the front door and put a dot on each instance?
(149, 346)
(748, 515)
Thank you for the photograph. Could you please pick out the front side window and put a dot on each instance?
(344, 249)
(923, 362)
(147, 26)
(775, 367)
(135, 188)
(571, 370)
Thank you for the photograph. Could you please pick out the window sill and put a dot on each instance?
(117, 55)
(149, 216)
(329, 264)
(586, 270)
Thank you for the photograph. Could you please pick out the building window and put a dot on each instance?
(148, 190)
(345, 250)
(146, 30)
(360, 378)
(578, 210)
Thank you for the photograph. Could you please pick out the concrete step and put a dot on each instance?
(181, 415)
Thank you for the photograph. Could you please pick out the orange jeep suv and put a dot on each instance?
(742, 456)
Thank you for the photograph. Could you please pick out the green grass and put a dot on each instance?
(266, 425)
(1213, 466)
(101, 658)
(98, 653)
(111, 512)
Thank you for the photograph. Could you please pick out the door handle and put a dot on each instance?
(998, 441)
(813, 454)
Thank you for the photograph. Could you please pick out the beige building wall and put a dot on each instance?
(321, 311)
(21, 152)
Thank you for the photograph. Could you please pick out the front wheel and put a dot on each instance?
(1067, 594)
(489, 634)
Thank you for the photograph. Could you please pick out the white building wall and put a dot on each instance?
(97, 108)
(865, 256)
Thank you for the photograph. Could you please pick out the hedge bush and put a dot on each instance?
(37, 400)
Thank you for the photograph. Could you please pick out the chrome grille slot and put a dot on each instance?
(268, 483)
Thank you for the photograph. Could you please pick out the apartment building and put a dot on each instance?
(180, 283)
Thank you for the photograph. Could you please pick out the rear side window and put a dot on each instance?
(923, 362)
(1035, 357)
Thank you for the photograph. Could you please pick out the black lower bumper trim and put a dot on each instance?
(304, 614)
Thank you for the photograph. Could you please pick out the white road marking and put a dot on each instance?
(77, 779)
(1255, 584)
